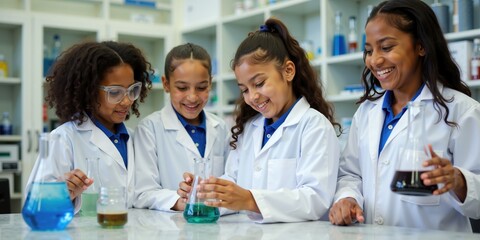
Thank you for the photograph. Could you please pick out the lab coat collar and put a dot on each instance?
(98, 138)
(377, 123)
(292, 119)
(171, 123)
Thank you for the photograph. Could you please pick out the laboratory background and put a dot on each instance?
(34, 32)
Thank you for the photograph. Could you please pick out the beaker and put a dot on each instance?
(112, 207)
(411, 156)
(196, 211)
(90, 195)
(48, 205)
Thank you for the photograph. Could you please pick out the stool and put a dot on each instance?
(4, 196)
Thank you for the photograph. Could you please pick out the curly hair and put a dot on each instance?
(76, 75)
(277, 44)
(418, 19)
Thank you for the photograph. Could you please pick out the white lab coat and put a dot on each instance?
(71, 144)
(292, 178)
(366, 176)
(165, 151)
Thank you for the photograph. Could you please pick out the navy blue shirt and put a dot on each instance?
(390, 120)
(269, 127)
(197, 133)
(119, 139)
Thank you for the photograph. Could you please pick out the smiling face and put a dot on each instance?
(265, 88)
(110, 114)
(393, 56)
(189, 87)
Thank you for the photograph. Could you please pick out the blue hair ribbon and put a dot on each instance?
(264, 28)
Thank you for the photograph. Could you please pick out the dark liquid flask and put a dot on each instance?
(48, 206)
(195, 210)
(411, 156)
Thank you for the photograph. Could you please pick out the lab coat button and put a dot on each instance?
(386, 162)
(258, 169)
(268, 135)
(390, 127)
(379, 220)
(115, 141)
(193, 131)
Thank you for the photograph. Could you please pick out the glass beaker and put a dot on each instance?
(112, 207)
(48, 205)
(195, 210)
(411, 156)
(90, 195)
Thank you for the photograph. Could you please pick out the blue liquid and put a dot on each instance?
(48, 207)
(339, 45)
(364, 40)
(200, 213)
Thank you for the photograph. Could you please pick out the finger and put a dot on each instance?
(187, 177)
(359, 214)
(443, 190)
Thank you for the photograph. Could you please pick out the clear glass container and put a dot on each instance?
(48, 206)
(90, 195)
(411, 156)
(112, 207)
(196, 211)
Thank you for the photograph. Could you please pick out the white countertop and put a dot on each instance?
(150, 224)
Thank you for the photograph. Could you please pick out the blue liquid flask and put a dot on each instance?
(339, 43)
(48, 206)
(195, 210)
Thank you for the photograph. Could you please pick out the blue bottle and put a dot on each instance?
(48, 206)
(339, 44)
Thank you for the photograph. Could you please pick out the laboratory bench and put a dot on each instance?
(150, 224)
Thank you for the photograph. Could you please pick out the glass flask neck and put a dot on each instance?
(416, 124)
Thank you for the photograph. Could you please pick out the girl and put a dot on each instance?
(285, 160)
(94, 89)
(167, 141)
(406, 55)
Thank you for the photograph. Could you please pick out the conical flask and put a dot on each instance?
(195, 210)
(411, 156)
(90, 195)
(48, 206)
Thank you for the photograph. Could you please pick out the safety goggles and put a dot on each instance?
(115, 94)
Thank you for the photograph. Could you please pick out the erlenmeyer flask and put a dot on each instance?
(195, 210)
(90, 195)
(48, 205)
(412, 155)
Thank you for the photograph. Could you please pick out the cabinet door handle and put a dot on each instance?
(38, 137)
(29, 142)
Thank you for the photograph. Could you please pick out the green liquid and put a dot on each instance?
(89, 204)
(199, 213)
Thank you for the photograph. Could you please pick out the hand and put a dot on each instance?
(77, 182)
(227, 194)
(345, 212)
(445, 173)
(179, 205)
(185, 187)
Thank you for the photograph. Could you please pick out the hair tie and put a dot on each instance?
(264, 28)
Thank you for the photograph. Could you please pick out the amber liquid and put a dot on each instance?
(112, 219)
(409, 183)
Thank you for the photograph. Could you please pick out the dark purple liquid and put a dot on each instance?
(409, 183)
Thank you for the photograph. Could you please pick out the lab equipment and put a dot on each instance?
(48, 206)
(196, 211)
(112, 207)
(411, 156)
(90, 195)
(339, 44)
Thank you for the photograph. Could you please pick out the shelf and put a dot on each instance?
(344, 97)
(355, 59)
(10, 138)
(10, 80)
(16, 196)
(464, 35)
(473, 83)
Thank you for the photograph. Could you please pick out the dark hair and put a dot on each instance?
(186, 51)
(273, 42)
(417, 19)
(77, 73)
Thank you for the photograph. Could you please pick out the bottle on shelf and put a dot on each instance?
(3, 67)
(56, 47)
(364, 36)
(352, 35)
(45, 117)
(6, 128)
(339, 44)
(475, 62)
